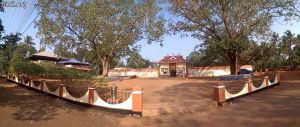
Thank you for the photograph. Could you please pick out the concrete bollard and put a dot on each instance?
(114, 95)
(137, 100)
(61, 90)
(219, 94)
(249, 84)
(91, 95)
(43, 83)
(267, 81)
(278, 77)
(30, 83)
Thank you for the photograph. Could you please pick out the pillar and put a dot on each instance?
(43, 83)
(267, 81)
(278, 77)
(61, 89)
(91, 95)
(29, 82)
(249, 84)
(137, 100)
(219, 93)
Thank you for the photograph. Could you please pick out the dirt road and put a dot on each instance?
(275, 107)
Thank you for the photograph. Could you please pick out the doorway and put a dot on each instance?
(172, 67)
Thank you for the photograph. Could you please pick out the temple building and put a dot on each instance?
(45, 56)
(76, 64)
(50, 57)
(173, 66)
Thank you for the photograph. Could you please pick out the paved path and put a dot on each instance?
(275, 107)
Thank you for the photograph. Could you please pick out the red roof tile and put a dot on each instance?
(173, 59)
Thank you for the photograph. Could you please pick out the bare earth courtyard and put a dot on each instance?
(177, 102)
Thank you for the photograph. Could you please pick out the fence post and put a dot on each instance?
(267, 81)
(17, 79)
(61, 90)
(43, 82)
(137, 100)
(249, 82)
(22, 81)
(219, 94)
(29, 82)
(278, 77)
(91, 95)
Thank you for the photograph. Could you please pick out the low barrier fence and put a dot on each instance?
(129, 100)
(229, 91)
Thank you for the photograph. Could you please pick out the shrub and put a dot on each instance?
(27, 68)
(49, 70)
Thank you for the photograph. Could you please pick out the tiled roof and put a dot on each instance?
(173, 59)
(46, 54)
(73, 61)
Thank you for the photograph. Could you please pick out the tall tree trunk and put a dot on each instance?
(105, 67)
(234, 63)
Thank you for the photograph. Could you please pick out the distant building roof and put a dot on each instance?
(74, 62)
(45, 55)
(173, 59)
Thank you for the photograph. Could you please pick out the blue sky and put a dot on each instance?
(172, 44)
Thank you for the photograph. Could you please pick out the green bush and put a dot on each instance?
(48, 70)
(26, 68)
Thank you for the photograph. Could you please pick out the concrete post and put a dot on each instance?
(29, 82)
(91, 95)
(249, 84)
(219, 93)
(114, 94)
(278, 77)
(267, 81)
(17, 79)
(43, 82)
(137, 99)
(61, 89)
(22, 81)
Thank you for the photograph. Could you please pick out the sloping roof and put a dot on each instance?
(173, 59)
(46, 54)
(74, 61)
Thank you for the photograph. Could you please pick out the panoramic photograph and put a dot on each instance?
(150, 63)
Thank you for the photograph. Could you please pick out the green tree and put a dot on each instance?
(229, 22)
(1, 26)
(23, 50)
(296, 50)
(104, 27)
(7, 49)
(287, 40)
(195, 58)
(135, 60)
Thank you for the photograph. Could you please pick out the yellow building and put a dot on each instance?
(173, 66)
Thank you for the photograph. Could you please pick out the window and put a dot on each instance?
(164, 70)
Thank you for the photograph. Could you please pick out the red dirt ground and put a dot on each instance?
(274, 107)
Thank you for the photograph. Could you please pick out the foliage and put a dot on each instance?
(7, 49)
(105, 28)
(48, 70)
(135, 60)
(26, 68)
(23, 50)
(1, 26)
(230, 23)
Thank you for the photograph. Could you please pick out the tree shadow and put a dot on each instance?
(31, 105)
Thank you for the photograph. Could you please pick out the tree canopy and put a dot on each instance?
(230, 23)
(105, 28)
